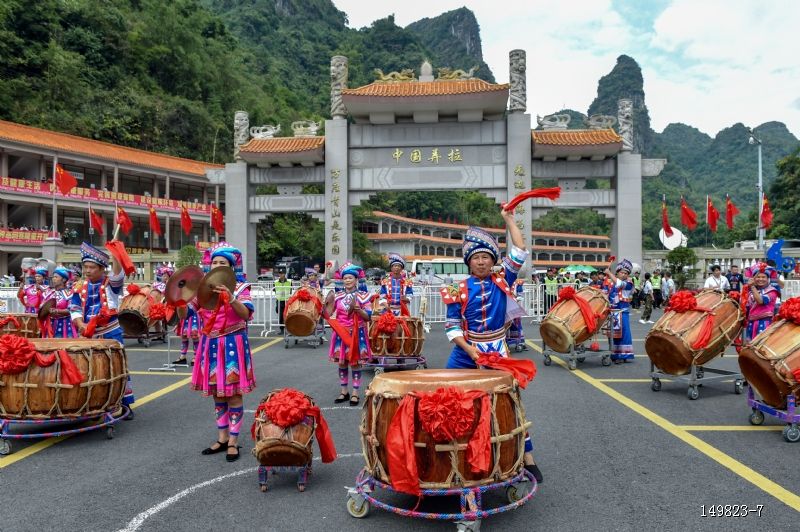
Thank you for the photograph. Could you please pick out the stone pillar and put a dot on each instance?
(205, 232)
(4, 213)
(166, 232)
(52, 248)
(103, 179)
(518, 96)
(518, 165)
(42, 169)
(241, 132)
(625, 121)
(338, 230)
(4, 263)
(155, 187)
(216, 196)
(42, 221)
(166, 187)
(3, 164)
(237, 219)
(626, 231)
(116, 178)
(205, 195)
(339, 71)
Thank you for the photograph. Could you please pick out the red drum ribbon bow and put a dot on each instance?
(17, 353)
(684, 301)
(522, 369)
(568, 293)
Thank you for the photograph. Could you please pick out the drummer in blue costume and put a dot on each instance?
(621, 297)
(98, 296)
(396, 288)
(480, 308)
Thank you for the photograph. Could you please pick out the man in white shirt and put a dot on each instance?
(716, 281)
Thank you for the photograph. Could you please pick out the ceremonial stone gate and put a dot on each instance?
(447, 132)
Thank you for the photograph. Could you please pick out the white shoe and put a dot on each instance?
(642, 321)
(650, 321)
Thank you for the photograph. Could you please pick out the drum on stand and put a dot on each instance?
(278, 446)
(564, 327)
(37, 392)
(134, 311)
(403, 342)
(302, 316)
(770, 360)
(20, 324)
(668, 344)
(444, 466)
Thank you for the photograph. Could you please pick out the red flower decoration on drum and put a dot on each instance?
(682, 301)
(16, 354)
(286, 408)
(790, 310)
(158, 311)
(567, 292)
(446, 414)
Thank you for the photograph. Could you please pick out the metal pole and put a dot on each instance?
(761, 230)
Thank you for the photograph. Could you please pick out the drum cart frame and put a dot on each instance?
(106, 420)
(579, 353)
(147, 338)
(383, 363)
(696, 378)
(303, 472)
(314, 340)
(791, 432)
(519, 490)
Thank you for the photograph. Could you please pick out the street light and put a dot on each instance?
(761, 231)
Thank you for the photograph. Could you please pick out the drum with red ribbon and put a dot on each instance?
(19, 324)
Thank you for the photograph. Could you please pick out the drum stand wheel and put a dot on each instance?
(264, 471)
(756, 417)
(357, 505)
(5, 447)
(547, 360)
(791, 433)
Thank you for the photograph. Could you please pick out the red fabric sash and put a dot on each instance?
(353, 354)
(222, 302)
(98, 320)
(17, 353)
(684, 301)
(442, 420)
(522, 369)
(549, 193)
(404, 311)
(9, 319)
(117, 250)
(570, 294)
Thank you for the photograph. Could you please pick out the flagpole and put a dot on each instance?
(707, 220)
(55, 212)
(91, 229)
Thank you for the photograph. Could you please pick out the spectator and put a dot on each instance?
(655, 280)
(647, 297)
(550, 289)
(283, 289)
(667, 287)
(637, 290)
(735, 279)
(716, 281)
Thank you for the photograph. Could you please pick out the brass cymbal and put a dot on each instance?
(44, 310)
(182, 286)
(221, 275)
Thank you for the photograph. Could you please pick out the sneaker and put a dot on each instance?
(650, 321)
(642, 321)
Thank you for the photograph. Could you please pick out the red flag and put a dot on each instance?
(186, 221)
(96, 221)
(688, 216)
(124, 221)
(712, 215)
(730, 211)
(766, 214)
(217, 220)
(65, 181)
(665, 220)
(155, 225)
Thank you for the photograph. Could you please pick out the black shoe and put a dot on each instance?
(181, 362)
(353, 400)
(210, 450)
(533, 469)
(342, 398)
(233, 457)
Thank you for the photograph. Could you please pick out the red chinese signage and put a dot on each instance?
(25, 186)
(14, 236)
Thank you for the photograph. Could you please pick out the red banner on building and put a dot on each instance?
(15, 236)
(28, 187)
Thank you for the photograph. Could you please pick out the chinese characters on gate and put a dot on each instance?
(336, 213)
(431, 155)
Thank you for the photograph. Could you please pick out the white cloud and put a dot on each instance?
(709, 64)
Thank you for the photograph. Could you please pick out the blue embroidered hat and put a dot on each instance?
(232, 255)
(477, 240)
(394, 258)
(348, 268)
(624, 264)
(89, 253)
(63, 272)
(44, 272)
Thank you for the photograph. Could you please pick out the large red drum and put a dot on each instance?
(302, 316)
(564, 327)
(669, 342)
(279, 446)
(770, 361)
(406, 340)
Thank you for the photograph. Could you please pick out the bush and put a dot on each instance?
(188, 255)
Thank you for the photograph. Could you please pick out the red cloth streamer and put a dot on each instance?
(117, 250)
(288, 407)
(446, 414)
(133, 289)
(712, 215)
(665, 220)
(404, 309)
(790, 310)
(222, 301)
(17, 353)
(568, 293)
(522, 369)
(688, 216)
(158, 311)
(303, 295)
(98, 320)
(684, 301)
(552, 193)
(9, 319)
(730, 211)
(353, 354)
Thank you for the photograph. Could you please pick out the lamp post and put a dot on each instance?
(760, 231)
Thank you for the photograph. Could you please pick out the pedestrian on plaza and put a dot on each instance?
(658, 297)
(716, 281)
(352, 309)
(550, 289)
(667, 287)
(223, 368)
(647, 297)
(637, 290)
(735, 279)
(623, 346)
(282, 289)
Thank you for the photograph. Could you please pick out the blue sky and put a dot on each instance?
(707, 63)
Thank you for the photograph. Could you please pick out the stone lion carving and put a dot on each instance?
(265, 132)
(305, 128)
(518, 98)
(241, 130)
(554, 121)
(625, 119)
(406, 74)
(600, 122)
(338, 83)
(449, 73)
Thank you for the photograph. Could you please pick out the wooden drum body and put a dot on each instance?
(668, 344)
(564, 326)
(37, 393)
(401, 343)
(302, 316)
(134, 311)
(442, 465)
(28, 325)
(768, 363)
(278, 446)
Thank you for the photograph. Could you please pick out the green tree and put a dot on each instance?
(681, 261)
(188, 255)
(786, 197)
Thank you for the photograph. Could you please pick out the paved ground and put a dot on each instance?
(615, 455)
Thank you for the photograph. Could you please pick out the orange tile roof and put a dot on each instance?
(283, 145)
(575, 137)
(495, 230)
(410, 89)
(67, 144)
